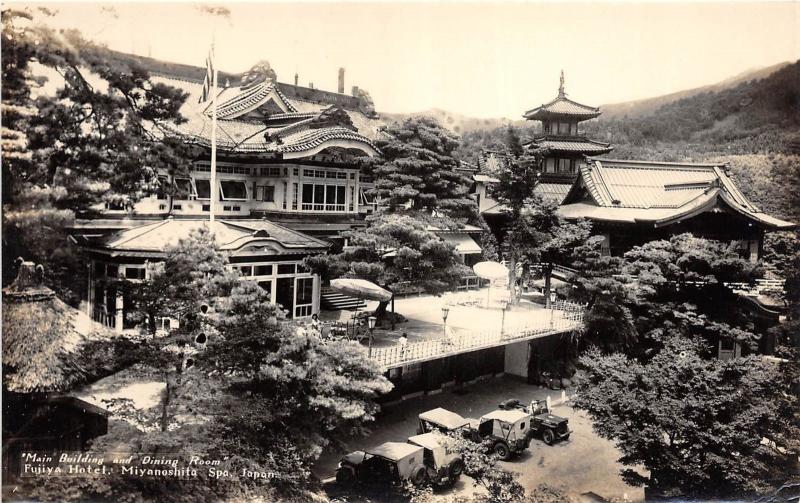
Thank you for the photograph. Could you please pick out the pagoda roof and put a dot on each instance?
(238, 237)
(576, 145)
(259, 119)
(562, 107)
(658, 193)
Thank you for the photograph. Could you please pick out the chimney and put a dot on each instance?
(296, 79)
(311, 85)
(341, 80)
(355, 90)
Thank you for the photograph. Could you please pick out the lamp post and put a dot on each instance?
(505, 305)
(552, 307)
(371, 323)
(445, 312)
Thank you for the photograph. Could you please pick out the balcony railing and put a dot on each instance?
(103, 318)
(566, 317)
(323, 207)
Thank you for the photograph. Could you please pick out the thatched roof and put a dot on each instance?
(42, 336)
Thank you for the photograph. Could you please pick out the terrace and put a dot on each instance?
(475, 320)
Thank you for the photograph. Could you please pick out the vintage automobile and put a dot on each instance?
(549, 427)
(444, 465)
(505, 430)
(390, 462)
(440, 419)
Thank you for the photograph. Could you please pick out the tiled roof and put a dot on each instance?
(240, 136)
(231, 235)
(553, 191)
(562, 106)
(577, 145)
(240, 101)
(660, 193)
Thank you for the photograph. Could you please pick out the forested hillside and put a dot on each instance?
(754, 126)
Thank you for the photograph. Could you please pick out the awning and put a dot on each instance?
(463, 243)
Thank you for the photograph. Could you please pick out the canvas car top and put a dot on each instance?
(355, 457)
(428, 440)
(394, 451)
(507, 416)
(444, 417)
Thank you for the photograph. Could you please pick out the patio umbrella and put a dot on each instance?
(361, 289)
(491, 271)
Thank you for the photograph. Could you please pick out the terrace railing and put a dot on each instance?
(566, 317)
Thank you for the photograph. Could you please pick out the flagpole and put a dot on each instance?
(213, 138)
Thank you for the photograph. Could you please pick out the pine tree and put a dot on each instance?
(417, 169)
(98, 138)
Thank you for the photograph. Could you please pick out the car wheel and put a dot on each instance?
(456, 468)
(548, 437)
(345, 475)
(502, 451)
(419, 475)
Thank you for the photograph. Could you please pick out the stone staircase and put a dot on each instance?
(335, 301)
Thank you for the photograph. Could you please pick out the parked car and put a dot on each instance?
(444, 465)
(440, 419)
(547, 426)
(507, 430)
(391, 462)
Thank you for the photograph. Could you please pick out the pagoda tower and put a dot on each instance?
(567, 146)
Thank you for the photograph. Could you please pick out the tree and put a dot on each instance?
(695, 424)
(398, 251)
(662, 289)
(417, 169)
(193, 273)
(535, 232)
(98, 138)
(298, 395)
(481, 465)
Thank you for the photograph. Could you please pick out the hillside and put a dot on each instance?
(453, 121)
(648, 106)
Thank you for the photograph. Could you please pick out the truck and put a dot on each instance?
(506, 431)
(444, 464)
(390, 462)
(545, 425)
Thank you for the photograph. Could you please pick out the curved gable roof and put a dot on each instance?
(657, 192)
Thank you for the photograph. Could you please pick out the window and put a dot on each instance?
(263, 270)
(184, 189)
(323, 197)
(285, 195)
(237, 208)
(163, 182)
(134, 272)
(295, 193)
(177, 207)
(550, 165)
(286, 268)
(271, 171)
(266, 285)
(203, 189)
(232, 190)
(726, 344)
(246, 270)
(564, 166)
(226, 208)
(265, 193)
(206, 207)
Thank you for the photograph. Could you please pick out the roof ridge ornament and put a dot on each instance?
(561, 93)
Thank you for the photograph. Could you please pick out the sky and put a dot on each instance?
(480, 59)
